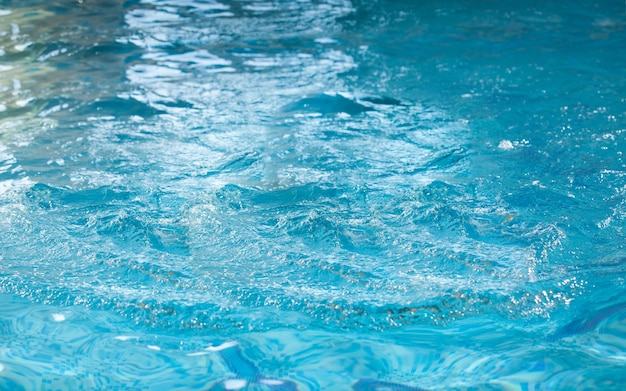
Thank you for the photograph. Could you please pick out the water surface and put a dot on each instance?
(312, 195)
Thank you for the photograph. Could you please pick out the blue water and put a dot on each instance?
(312, 195)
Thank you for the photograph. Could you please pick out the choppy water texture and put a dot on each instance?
(312, 195)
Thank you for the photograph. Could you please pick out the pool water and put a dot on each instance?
(312, 195)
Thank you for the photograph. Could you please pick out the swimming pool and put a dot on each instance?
(309, 195)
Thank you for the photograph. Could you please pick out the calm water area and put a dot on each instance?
(312, 195)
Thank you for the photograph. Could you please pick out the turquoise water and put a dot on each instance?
(312, 195)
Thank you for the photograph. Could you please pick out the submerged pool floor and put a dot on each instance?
(312, 195)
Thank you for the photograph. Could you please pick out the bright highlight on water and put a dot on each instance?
(312, 195)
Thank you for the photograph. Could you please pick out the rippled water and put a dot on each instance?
(312, 195)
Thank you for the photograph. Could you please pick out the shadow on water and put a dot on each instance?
(588, 321)
(326, 104)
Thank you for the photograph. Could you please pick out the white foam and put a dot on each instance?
(22, 46)
(24, 102)
(58, 317)
(262, 62)
(154, 347)
(234, 384)
(146, 73)
(197, 354)
(144, 18)
(1, 367)
(54, 53)
(325, 40)
(225, 345)
(208, 6)
(11, 185)
(505, 145)
(198, 57)
(260, 7)
(271, 382)
(125, 337)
